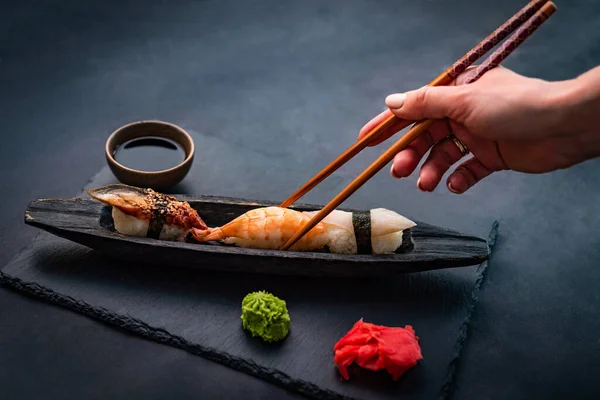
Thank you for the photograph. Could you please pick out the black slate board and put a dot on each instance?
(199, 311)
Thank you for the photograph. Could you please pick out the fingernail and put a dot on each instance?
(393, 173)
(450, 188)
(459, 186)
(419, 184)
(395, 100)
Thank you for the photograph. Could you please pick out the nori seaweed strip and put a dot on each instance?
(158, 216)
(361, 221)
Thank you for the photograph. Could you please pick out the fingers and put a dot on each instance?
(396, 126)
(406, 161)
(437, 102)
(428, 103)
(467, 175)
(442, 156)
(373, 123)
(395, 102)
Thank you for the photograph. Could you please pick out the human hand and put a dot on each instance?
(507, 121)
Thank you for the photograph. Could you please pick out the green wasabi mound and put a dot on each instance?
(266, 316)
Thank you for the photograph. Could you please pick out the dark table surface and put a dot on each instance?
(70, 72)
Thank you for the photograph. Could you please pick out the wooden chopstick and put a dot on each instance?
(420, 127)
(395, 124)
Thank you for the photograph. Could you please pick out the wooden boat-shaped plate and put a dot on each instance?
(88, 222)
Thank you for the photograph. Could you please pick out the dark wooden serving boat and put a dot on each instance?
(88, 222)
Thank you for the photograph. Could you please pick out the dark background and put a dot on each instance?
(258, 76)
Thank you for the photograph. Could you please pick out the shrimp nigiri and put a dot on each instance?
(271, 227)
(341, 232)
(146, 213)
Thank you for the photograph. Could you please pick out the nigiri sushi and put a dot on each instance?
(146, 213)
(377, 231)
(271, 227)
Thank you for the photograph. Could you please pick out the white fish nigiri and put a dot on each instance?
(386, 228)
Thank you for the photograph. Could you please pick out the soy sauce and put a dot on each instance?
(150, 154)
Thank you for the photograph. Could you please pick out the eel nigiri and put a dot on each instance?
(146, 213)
(376, 231)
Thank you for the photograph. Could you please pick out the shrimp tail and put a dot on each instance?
(207, 235)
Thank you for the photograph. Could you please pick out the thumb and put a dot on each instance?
(428, 102)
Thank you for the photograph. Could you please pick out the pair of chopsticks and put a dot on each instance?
(527, 20)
